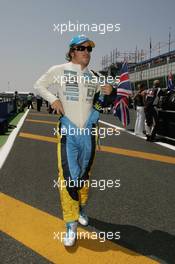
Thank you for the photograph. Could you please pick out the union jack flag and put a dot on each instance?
(170, 81)
(123, 92)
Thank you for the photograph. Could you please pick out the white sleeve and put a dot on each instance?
(43, 83)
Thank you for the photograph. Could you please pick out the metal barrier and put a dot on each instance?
(7, 108)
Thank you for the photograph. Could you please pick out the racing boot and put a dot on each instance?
(71, 234)
(83, 218)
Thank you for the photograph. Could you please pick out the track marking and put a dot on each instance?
(120, 151)
(114, 126)
(38, 137)
(50, 122)
(35, 229)
(5, 149)
(41, 121)
(50, 115)
(138, 154)
(132, 133)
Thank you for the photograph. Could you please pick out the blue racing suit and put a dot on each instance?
(75, 152)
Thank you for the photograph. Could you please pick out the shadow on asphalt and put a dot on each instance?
(158, 244)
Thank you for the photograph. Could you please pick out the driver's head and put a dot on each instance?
(79, 50)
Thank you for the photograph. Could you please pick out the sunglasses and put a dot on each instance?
(83, 48)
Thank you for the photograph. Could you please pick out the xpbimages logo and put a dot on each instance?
(100, 236)
(92, 79)
(101, 132)
(102, 184)
(100, 28)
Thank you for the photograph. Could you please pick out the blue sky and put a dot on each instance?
(29, 46)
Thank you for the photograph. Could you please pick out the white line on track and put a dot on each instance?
(166, 145)
(5, 149)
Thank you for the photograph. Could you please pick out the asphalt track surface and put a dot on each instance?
(141, 209)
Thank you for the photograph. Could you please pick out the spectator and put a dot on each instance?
(29, 101)
(151, 102)
(16, 101)
(139, 106)
(38, 102)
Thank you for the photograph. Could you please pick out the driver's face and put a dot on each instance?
(81, 57)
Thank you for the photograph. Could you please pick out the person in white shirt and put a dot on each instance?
(139, 105)
(75, 104)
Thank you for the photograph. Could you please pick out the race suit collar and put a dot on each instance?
(78, 66)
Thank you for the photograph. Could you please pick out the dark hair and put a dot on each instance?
(68, 54)
(141, 86)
